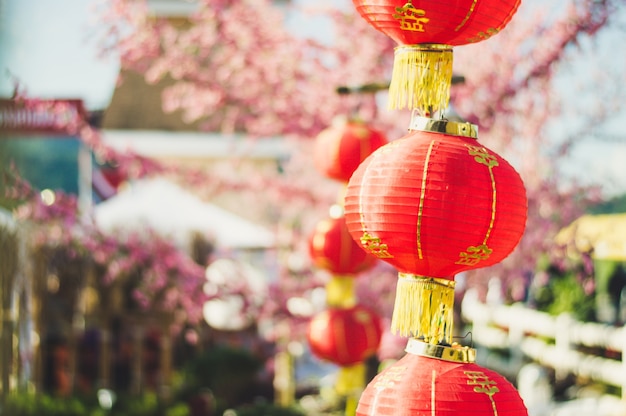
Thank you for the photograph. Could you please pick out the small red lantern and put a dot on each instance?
(340, 148)
(425, 31)
(442, 381)
(434, 203)
(345, 336)
(332, 248)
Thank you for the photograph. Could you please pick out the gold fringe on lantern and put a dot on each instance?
(421, 78)
(340, 292)
(424, 308)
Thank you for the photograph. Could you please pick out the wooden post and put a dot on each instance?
(562, 343)
(8, 271)
(515, 339)
(6, 344)
(623, 329)
(104, 370)
(284, 383)
(165, 361)
(77, 326)
(137, 363)
(37, 307)
(283, 379)
(25, 317)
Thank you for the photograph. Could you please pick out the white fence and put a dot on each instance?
(552, 341)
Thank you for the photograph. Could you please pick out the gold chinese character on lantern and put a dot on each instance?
(483, 35)
(411, 18)
(482, 382)
(482, 156)
(375, 246)
(474, 255)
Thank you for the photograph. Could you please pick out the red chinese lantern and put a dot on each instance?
(434, 203)
(332, 248)
(345, 336)
(425, 31)
(442, 381)
(340, 148)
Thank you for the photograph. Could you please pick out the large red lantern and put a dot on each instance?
(340, 148)
(441, 381)
(345, 336)
(332, 248)
(434, 203)
(425, 31)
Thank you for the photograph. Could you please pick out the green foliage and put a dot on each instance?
(178, 409)
(614, 205)
(565, 294)
(27, 404)
(266, 409)
(571, 298)
(44, 405)
(228, 372)
(145, 405)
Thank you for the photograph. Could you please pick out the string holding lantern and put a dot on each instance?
(426, 31)
(433, 204)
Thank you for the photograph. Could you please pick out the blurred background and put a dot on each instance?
(160, 198)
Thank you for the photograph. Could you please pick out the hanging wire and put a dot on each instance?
(468, 333)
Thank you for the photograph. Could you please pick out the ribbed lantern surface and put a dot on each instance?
(434, 204)
(332, 248)
(440, 22)
(423, 386)
(426, 31)
(345, 336)
(340, 148)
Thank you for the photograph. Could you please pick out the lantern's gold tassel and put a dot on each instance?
(421, 78)
(351, 379)
(424, 308)
(350, 384)
(340, 292)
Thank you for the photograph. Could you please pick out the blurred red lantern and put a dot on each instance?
(424, 383)
(425, 32)
(340, 148)
(345, 336)
(434, 203)
(332, 248)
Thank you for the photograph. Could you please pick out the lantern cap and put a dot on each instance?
(451, 128)
(454, 353)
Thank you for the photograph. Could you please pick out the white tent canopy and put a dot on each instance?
(229, 313)
(173, 212)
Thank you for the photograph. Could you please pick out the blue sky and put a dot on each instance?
(49, 45)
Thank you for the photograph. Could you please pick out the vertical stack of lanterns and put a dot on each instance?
(434, 203)
(346, 333)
